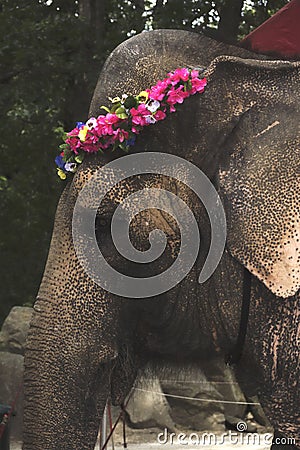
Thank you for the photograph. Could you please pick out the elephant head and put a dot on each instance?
(268, 246)
(243, 133)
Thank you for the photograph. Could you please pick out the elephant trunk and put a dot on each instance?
(62, 378)
(69, 351)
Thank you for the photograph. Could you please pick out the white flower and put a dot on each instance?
(150, 119)
(124, 96)
(91, 123)
(70, 167)
(153, 106)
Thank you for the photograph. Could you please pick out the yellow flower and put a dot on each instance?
(83, 132)
(143, 96)
(61, 174)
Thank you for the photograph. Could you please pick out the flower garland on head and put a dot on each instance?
(126, 118)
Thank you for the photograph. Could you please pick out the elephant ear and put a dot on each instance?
(259, 173)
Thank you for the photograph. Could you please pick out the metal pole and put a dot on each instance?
(110, 424)
(103, 432)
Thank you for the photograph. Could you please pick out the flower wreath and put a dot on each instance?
(126, 118)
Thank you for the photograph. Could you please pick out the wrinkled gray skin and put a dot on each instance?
(243, 132)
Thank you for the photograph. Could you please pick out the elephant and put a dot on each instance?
(85, 343)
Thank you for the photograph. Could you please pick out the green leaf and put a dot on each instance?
(122, 116)
(79, 158)
(114, 108)
(105, 109)
(68, 153)
(121, 113)
(3, 183)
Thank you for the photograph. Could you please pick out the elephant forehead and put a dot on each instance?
(92, 184)
(103, 190)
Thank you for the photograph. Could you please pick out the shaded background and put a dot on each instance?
(51, 53)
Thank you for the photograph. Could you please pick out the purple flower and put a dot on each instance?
(79, 125)
(131, 141)
(60, 162)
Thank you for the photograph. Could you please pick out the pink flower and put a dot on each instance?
(177, 96)
(111, 118)
(89, 148)
(198, 85)
(158, 91)
(91, 142)
(100, 127)
(105, 145)
(120, 135)
(160, 115)
(73, 132)
(105, 124)
(73, 141)
(139, 115)
(179, 75)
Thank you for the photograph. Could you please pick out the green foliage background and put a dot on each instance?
(51, 54)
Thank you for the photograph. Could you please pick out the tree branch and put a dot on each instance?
(230, 17)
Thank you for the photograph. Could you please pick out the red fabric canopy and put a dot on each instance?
(279, 35)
